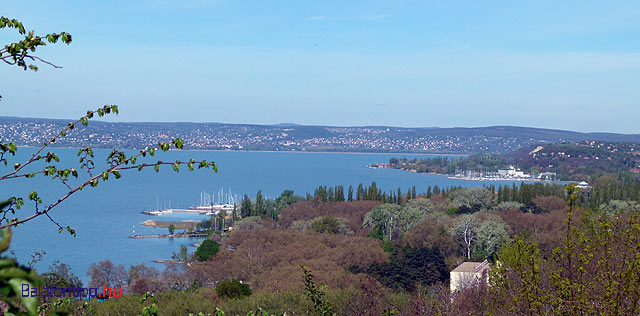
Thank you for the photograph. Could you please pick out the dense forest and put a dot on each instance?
(382, 253)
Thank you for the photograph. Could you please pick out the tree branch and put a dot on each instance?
(62, 133)
(43, 61)
(93, 182)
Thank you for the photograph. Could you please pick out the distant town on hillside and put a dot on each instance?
(292, 137)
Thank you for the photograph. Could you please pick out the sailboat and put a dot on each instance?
(225, 202)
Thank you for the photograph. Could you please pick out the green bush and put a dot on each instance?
(331, 225)
(233, 289)
(207, 249)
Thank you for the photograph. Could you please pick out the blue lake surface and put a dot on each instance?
(105, 217)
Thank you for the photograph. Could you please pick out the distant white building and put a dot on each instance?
(547, 176)
(512, 172)
(583, 185)
(468, 274)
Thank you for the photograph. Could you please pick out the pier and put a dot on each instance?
(193, 235)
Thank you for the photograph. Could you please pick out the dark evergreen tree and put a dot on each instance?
(409, 267)
(260, 207)
(373, 192)
(246, 209)
(360, 193)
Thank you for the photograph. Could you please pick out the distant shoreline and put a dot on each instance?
(454, 177)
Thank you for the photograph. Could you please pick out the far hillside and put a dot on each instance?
(567, 160)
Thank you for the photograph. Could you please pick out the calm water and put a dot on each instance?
(104, 218)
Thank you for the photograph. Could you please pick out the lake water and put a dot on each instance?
(105, 217)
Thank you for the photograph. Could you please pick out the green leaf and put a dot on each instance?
(13, 272)
(6, 240)
(156, 167)
(6, 263)
(178, 143)
(117, 174)
(30, 303)
(105, 176)
(84, 121)
(66, 37)
(153, 309)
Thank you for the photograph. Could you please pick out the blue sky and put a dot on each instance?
(555, 64)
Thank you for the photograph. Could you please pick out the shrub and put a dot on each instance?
(331, 225)
(206, 250)
(504, 206)
(352, 212)
(233, 289)
(248, 223)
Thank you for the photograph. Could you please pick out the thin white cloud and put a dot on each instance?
(373, 17)
(315, 18)
(185, 4)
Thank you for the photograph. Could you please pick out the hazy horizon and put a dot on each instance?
(571, 66)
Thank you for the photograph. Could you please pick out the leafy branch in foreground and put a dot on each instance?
(316, 294)
(19, 53)
(70, 178)
(12, 278)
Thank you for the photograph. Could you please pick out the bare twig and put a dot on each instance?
(43, 61)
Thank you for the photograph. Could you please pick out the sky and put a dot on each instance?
(572, 65)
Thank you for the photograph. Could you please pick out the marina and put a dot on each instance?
(208, 205)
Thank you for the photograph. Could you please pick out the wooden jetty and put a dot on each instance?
(193, 235)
